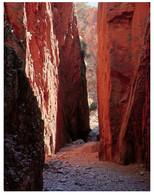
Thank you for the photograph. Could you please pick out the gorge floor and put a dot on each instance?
(77, 168)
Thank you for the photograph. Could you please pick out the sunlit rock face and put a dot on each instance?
(123, 85)
(54, 64)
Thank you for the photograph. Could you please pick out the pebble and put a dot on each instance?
(54, 167)
(114, 181)
(79, 183)
(60, 171)
(88, 168)
(121, 180)
(93, 163)
(77, 171)
(63, 180)
(59, 189)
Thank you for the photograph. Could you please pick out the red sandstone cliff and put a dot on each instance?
(73, 111)
(123, 82)
(45, 37)
(87, 25)
(54, 66)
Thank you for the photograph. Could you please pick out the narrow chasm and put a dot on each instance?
(76, 96)
(86, 15)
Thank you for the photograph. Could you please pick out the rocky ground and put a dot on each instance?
(77, 168)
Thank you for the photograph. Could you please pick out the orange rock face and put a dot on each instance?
(54, 66)
(123, 81)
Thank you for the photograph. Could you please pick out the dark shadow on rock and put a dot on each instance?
(23, 129)
(72, 111)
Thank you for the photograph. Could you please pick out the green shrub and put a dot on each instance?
(83, 46)
(93, 106)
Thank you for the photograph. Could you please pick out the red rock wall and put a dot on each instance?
(55, 68)
(42, 61)
(14, 30)
(73, 111)
(123, 81)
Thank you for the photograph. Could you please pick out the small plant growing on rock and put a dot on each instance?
(93, 106)
(8, 31)
(83, 46)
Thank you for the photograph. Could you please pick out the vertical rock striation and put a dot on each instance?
(55, 67)
(45, 37)
(72, 111)
(123, 77)
(42, 60)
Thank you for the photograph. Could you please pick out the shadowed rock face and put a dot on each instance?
(23, 129)
(73, 111)
(123, 75)
(55, 67)
(87, 26)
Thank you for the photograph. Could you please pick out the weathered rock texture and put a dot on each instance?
(23, 129)
(55, 67)
(87, 26)
(123, 77)
(73, 111)
(14, 30)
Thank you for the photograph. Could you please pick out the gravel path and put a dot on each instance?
(77, 168)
